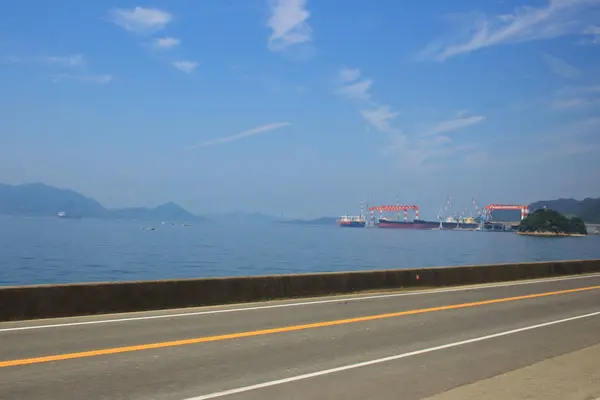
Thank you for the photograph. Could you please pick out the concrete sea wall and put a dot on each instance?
(49, 301)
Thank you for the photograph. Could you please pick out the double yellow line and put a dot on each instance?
(293, 328)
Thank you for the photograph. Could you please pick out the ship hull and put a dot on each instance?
(454, 225)
(387, 224)
(352, 224)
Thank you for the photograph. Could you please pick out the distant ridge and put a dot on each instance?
(587, 209)
(38, 199)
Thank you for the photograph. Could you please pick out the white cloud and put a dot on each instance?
(101, 79)
(185, 66)
(74, 60)
(358, 90)
(561, 67)
(558, 18)
(455, 124)
(141, 20)
(251, 132)
(380, 118)
(289, 24)
(351, 86)
(167, 42)
(349, 74)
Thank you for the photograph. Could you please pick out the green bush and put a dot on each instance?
(547, 220)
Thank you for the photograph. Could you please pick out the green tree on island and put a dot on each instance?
(546, 220)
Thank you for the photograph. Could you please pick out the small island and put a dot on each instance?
(547, 222)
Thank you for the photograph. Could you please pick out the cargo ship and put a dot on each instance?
(348, 221)
(466, 223)
(414, 224)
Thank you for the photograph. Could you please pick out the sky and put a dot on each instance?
(302, 108)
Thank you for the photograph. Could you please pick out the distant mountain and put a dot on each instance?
(318, 221)
(37, 199)
(166, 212)
(587, 209)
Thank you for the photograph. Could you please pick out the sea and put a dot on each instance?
(52, 250)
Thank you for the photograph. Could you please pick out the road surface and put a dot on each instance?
(541, 337)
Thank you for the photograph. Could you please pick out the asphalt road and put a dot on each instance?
(394, 345)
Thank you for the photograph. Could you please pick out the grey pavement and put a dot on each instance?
(191, 371)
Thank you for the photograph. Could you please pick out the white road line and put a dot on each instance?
(386, 359)
(299, 304)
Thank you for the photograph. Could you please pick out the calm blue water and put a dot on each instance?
(39, 250)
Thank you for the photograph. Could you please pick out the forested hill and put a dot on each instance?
(587, 209)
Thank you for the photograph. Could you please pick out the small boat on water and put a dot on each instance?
(64, 215)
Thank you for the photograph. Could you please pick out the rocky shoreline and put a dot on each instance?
(550, 234)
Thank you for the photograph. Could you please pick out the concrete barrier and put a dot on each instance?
(48, 301)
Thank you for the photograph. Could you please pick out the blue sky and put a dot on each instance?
(302, 108)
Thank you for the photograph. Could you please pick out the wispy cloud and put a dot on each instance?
(558, 18)
(576, 138)
(288, 23)
(569, 103)
(577, 97)
(140, 20)
(251, 132)
(358, 90)
(186, 66)
(351, 86)
(74, 60)
(454, 124)
(413, 149)
(167, 42)
(101, 79)
(561, 67)
(380, 117)
(590, 89)
(76, 65)
(427, 150)
(349, 74)
(71, 60)
(593, 33)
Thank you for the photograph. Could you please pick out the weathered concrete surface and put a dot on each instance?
(50, 301)
(572, 376)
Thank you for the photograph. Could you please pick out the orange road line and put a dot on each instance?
(293, 328)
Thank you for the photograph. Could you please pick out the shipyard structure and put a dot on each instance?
(399, 217)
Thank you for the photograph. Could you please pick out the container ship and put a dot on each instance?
(348, 221)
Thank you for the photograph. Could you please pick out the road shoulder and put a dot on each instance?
(572, 376)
